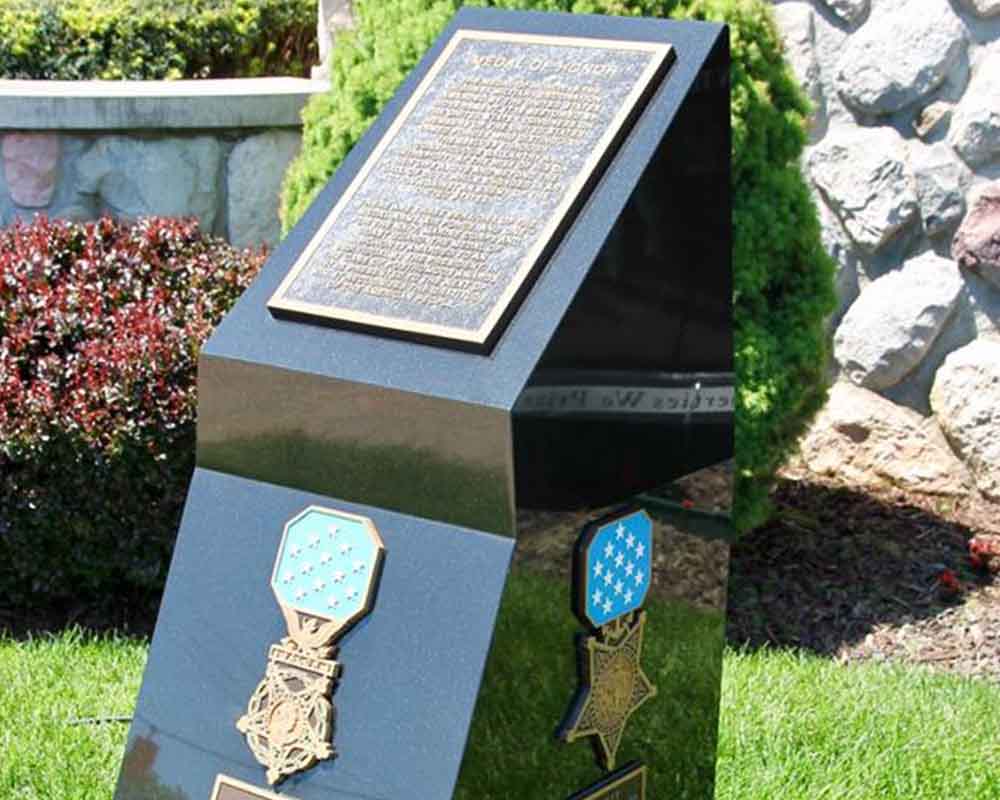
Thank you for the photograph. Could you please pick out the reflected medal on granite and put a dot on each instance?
(325, 579)
(612, 565)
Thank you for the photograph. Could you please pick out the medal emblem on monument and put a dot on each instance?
(325, 580)
(611, 575)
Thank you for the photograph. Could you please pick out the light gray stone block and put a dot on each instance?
(975, 125)
(894, 322)
(863, 175)
(966, 400)
(941, 181)
(899, 56)
(255, 171)
(798, 33)
(841, 249)
(134, 177)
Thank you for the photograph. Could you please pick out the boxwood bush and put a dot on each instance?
(783, 278)
(143, 40)
(100, 328)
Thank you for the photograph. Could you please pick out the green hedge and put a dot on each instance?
(783, 278)
(155, 39)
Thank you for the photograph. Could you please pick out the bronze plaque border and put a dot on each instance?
(252, 792)
(533, 258)
(615, 780)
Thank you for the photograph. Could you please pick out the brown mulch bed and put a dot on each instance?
(857, 575)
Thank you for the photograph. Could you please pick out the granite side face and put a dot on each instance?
(975, 127)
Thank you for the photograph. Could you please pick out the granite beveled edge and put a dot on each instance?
(155, 105)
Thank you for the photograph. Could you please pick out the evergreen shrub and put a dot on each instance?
(143, 40)
(100, 328)
(783, 278)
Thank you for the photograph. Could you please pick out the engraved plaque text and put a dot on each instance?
(445, 224)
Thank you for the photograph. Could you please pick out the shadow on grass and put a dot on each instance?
(836, 563)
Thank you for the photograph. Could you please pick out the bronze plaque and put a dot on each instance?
(629, 783)
(227, 788)
(465, 196)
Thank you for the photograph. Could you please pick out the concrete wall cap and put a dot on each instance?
(144, 105)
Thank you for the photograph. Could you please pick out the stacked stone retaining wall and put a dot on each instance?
(904, 160)
(216, 150)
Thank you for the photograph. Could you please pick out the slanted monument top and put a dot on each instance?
(445, 225)
(489, 172)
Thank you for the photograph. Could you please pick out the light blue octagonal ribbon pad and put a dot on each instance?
(619, 563)
(325, 565)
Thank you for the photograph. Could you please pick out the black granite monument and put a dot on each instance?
(459, 522)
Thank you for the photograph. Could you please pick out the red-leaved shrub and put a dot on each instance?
(100, 328)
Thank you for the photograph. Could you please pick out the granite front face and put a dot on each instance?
(457, 631)
(595, 374)
(465, 194)
(411, 669)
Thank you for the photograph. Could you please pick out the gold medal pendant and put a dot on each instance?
(612, 567)
(325, 579)
(616, 687)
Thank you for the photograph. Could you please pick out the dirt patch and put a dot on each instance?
(858, 575)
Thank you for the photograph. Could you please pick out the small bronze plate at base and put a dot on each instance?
(227, 788)
(629, 783)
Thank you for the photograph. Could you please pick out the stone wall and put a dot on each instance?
(904, 160)
(216, 150)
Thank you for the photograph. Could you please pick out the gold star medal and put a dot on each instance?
(611, 575)
(325, 579)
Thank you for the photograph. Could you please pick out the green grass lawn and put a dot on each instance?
(44, 684)
(795, 726)
(792, 726)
